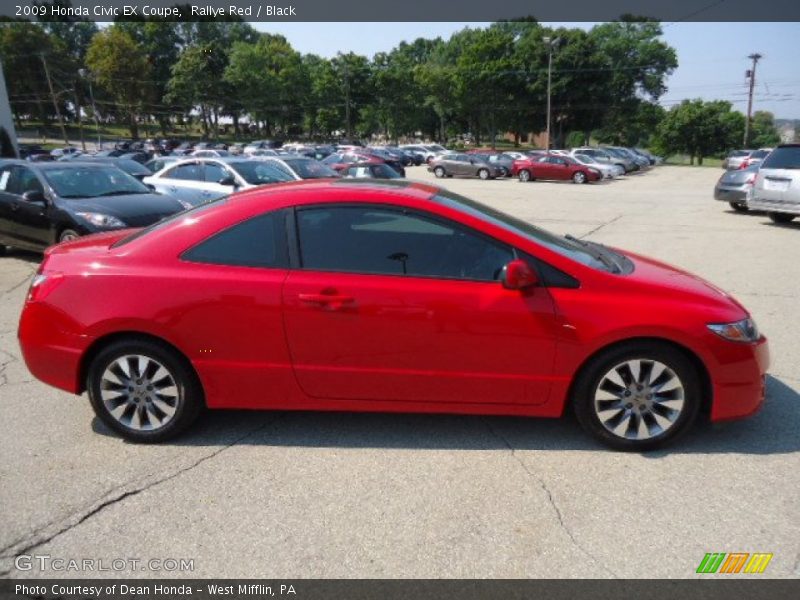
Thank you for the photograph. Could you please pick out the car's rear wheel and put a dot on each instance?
(143, 390)
(781, 217)
(68, 235)
(738, 206)
(579, 177)
(439, 172)
(524, 175)
(637, 396)
(483, 173)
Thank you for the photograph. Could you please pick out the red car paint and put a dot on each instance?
(564, 169)
(382, 342)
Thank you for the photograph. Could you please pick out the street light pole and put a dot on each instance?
(550, 44)
(755, 57)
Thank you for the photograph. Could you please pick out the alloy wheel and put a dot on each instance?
(639, 399)
(139, 392)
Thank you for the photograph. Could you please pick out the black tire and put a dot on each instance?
(3, 250)
(484, 174)
(524, 175)
(781, 217)
(587, 384)
(738, 206)
(188, 404)
(580, 177)
(439, 172)
(68, 235)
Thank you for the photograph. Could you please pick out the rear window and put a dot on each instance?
(759, 154)
(787, 157)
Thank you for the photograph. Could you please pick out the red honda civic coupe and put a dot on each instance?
(370, 295)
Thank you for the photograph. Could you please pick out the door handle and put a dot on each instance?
(332, 301)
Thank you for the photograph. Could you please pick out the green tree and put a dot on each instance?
(699, 129)
(763, 132)
(119, 65)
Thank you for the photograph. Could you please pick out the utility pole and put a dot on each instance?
(55, 101)
(752, 73)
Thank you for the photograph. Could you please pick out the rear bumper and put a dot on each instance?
(51, 354)
(730, 194)
(770, 205)
(739, 383)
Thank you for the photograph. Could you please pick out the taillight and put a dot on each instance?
(751, 181)
(744, 164)
(42, 284)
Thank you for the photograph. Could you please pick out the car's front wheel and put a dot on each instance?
(579, 177)
(524, 175)
(483, 173)
(143, 390)
(781, 217)
(439, 172)
(68, 235)
(637, 396)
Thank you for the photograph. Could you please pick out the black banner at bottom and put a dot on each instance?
(718, 588)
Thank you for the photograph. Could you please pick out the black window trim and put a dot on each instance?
(283, 250)
(402, 210)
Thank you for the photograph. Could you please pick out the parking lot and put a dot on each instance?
(354, 495)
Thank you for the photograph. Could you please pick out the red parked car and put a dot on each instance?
(553, 166)
(340, 162)
(383, 296)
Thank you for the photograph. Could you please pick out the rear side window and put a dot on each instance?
(257, 242)
(787, 157)
(190, 172)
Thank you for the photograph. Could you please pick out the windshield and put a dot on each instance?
(132, 167)
(786, 157)
(258, 173)
(310, 169)
(759, 154)
(76, 181)
(572, 249)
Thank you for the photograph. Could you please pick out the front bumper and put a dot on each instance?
(739, 380)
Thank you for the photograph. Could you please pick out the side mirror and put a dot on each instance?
(34, 196)
(518, 275)
(227, 180)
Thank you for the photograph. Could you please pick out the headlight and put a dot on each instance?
(102, 221)
(740, 331)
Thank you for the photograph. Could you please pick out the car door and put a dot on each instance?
(398, 305)
(22, 222)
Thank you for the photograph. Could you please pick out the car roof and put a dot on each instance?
(414, 189)
(51, 165)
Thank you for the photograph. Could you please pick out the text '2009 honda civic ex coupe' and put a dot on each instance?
(383, 296)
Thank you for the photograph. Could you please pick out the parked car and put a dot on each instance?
(197, 180)
(639, 162)
(210, 153)
(65, 151)
(735, 158)
(735, 186)
(388, 157)
(551, 166)
(425, 154)
(139, 156)
(395, 154)
(131, 167)
(154, 165)
(183, 149)
(261, 145)
(602, 156)
(498, 159)
(370, 171)
(777, 186)
(384, 296)
(300, 167)
(340, 161)
(26, 150)
(457, 164)
(608, 170)
(755, 157)
(45, 203)
(617, 157)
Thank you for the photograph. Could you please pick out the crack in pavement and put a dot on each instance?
(599, 227)
(53, 530)
(550, 499)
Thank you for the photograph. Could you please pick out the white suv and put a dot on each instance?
(777, 186)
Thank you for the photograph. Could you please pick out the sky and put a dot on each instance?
(712, 57)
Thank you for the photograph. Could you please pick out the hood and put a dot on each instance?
(135, 210)
(680, 283)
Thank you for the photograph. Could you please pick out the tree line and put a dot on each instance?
(606, 83)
